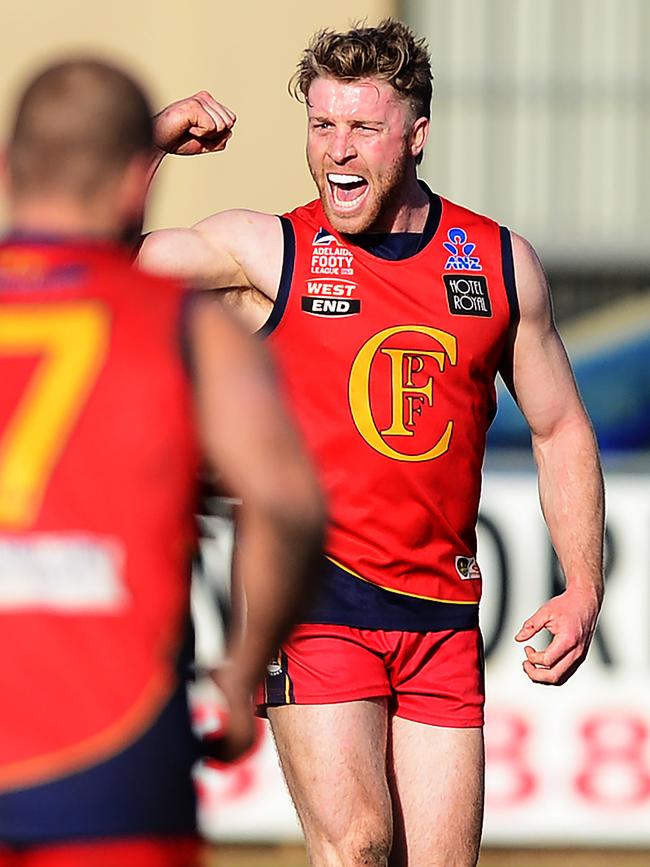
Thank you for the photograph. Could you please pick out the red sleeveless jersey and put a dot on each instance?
(390, 367)
(97, 478)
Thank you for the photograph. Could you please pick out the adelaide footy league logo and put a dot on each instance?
(323, 238)
(391, 392)
(329, 257)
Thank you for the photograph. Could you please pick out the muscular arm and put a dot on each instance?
(248, 437)
(540, 378)
(238, 251)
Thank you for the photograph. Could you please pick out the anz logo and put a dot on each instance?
(460, 250)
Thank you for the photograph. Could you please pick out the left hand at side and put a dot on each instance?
(571, 619)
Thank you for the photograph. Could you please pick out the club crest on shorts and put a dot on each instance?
(274, 668)
(467, 568)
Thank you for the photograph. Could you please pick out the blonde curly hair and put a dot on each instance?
(388, 51)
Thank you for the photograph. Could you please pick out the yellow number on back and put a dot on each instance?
(71, 341)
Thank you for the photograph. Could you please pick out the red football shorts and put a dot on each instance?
(429, 677)
(149, 852)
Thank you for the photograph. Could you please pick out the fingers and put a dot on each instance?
(572, 627)
(210, 119)
(237, 735)
(556, 663)
(556, 674)
(533, 625)
(227, 747)
(195, 125)
(551, 655)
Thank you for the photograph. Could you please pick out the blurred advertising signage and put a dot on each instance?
(565, 765)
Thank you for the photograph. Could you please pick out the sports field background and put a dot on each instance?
(292, 856)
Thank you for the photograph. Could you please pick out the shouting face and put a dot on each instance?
(362, 142)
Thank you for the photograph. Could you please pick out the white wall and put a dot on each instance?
(541, 119)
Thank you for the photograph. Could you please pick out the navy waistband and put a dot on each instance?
(346, 600)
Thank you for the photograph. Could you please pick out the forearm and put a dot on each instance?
(276, 560)
(572, 499)
(156, 157)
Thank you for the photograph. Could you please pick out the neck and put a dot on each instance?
(62, 216)
(408, 211)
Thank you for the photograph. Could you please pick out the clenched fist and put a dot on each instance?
(195, 125)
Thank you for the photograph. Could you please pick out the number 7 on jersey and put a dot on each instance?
(71, 342)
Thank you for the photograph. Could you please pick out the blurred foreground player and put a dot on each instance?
(99, 450)
(390, 311)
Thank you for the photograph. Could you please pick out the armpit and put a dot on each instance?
(248, 304)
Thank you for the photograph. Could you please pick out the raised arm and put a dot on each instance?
(249, 439)
(540, 378)
(238, 250)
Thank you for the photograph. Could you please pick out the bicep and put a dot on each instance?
(536, 368)
(192, 256)
(237, 248)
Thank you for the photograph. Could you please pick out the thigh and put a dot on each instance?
(437, 678)
(436, 776)
(334, 760)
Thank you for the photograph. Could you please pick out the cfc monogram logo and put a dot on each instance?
(391, 387)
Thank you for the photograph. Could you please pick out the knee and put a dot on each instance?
(370, 852)
(356, 848)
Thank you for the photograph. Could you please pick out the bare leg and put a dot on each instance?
(436, 777)
(334, 761)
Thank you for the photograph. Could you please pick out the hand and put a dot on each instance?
(195, 125)
(571, 619)
(238, 734)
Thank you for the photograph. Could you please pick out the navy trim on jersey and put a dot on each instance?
(146, 789)
(393, 246)
(434, 216)
(345, 600)
(286, 277)
(396, 246)
(508, 268)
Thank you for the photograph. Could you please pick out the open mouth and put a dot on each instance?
(347, 191)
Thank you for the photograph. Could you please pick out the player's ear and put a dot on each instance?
(419, 136)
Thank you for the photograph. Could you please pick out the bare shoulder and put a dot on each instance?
(532, 285)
